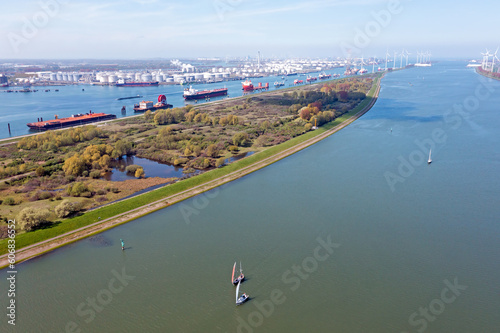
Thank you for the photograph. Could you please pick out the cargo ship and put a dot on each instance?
(324, 76)
(190, 93)
(74, 120)
(247, 85)
(311, 79)
(149, 106)
(123, 83)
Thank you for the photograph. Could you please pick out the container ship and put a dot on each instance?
(190, 93)
(122, 83)
(74, 120)
(149, 106)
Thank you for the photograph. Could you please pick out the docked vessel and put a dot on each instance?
(279, 84)
(149, 106)
(324, 76)
(297, 81)
(190, 93)
(247, 85)
(311, 78)
(123, 83)
(74, 120)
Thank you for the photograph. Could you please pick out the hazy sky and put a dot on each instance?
(156, 28)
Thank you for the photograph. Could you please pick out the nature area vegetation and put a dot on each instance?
(53, 182)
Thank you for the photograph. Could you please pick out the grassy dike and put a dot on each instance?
(101, 219)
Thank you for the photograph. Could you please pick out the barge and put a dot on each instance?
(74, 120)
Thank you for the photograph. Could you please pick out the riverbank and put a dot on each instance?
(112, 215)
(490, 75)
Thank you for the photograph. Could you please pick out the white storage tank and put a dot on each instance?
(76, 77)
(146, 77)
(208, 76)
(112, 78)
(178, 78)
(59, 76)
(65, 77)
(170, 79)
(103, 78)
(130, 76)
(198, 76)
(159, 78)
(226, 75)
(53, 77)
(137, 76)
(218, 75)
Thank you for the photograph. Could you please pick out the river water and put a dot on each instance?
(354, 234)
(18, 109)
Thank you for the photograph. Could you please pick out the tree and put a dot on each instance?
(212, 150)
(30, 217)
(240, 139)
(187, 151)
(305, 113)
(148, 116)
(74, 166)
(40, 171)
(104, 161)
(66, 208)
(220, 162)
(139, 173)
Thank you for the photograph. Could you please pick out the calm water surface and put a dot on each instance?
(18, 109)
(393, 251)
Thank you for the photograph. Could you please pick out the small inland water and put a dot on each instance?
(154, 168)
(356, 233)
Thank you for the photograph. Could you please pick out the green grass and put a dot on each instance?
(26, 239)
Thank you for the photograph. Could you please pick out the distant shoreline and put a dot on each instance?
(300, 143)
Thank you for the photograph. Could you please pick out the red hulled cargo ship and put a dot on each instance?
(190, 93)
(74, 120)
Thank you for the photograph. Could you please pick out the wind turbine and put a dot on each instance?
(493, 56)
(407, 54)
(386, 54)
(394, 64)
(486, 59)
(401, 60)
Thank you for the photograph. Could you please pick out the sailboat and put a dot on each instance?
(241, 299)
(429, 161)
(239, 278)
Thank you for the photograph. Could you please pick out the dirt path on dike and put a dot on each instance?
(91, 229)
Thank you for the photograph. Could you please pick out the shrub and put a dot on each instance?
(9, 201)
(220, 162)
(101, 192)
(76, 189)
(132, 168)
(66, 208)
(95, 174)
(30, 218)
(139, 173)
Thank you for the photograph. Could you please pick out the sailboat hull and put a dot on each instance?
(242, 300)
